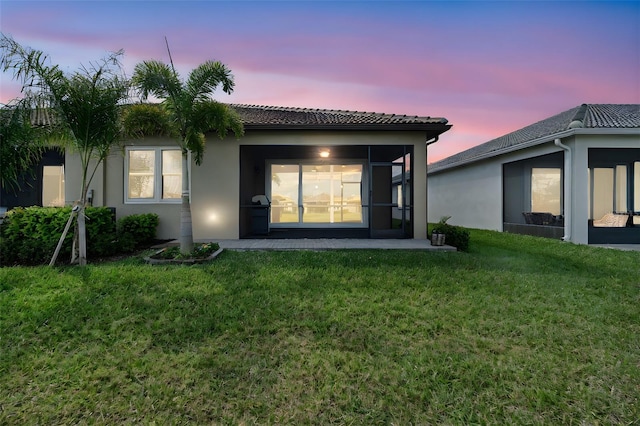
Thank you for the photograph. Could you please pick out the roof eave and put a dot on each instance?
(429, 127)
(538, 141)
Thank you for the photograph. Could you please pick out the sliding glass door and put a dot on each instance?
(285, 191)
(316, 195)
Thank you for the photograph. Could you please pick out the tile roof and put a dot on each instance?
(40, 116)
(274, 117)
(287, 117)
(587, 116)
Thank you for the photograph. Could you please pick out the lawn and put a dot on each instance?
(520, 330)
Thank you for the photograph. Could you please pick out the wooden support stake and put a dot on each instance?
(64, 234)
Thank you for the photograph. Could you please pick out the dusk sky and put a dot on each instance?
(488, 67)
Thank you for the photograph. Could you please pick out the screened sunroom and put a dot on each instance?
(614, 195)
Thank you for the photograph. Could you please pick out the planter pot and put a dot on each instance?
(437, 239)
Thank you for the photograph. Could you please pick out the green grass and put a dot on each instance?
(517, 331)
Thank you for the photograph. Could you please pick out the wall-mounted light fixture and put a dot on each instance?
(213, 217)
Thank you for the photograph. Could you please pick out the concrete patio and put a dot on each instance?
(625, 247)
(331, 244)
(318, 244)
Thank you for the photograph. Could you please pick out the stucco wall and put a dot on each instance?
(215, 184)
(215, 188)
(73, 180)
(214, 193)
(472, 194)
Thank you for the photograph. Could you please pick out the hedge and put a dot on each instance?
(29, 236)
(137, 231)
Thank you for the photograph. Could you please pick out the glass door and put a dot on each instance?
(316, 195)
(53, 186)
(390, 198)
(285, 188)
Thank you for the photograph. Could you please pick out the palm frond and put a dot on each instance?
(156, 78)
(90, 106)
(205, 79)
(212, 116)
(20, 148)
(140, 120)
(192, 111)
(194, 141)
(29, 66)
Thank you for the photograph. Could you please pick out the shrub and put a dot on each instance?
(454, 235)
(136, 231)
(29, 236)
(101, 231)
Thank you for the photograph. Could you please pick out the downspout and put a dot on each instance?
(567, 189)
(434, 140)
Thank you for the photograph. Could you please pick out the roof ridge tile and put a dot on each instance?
(274, 115)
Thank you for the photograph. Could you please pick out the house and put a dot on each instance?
(44, 184)
(575, 175)
(318, 173)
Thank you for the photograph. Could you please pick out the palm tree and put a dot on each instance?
(84, 106)
(186, 113)
(21, 144)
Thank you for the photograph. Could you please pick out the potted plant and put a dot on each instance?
(438, 235)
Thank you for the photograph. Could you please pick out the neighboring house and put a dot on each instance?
(326, 173)
(575, 176)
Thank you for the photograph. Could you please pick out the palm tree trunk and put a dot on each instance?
(186, 225)
(82, 236)
(81, 223)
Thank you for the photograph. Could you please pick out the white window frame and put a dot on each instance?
(157, 176)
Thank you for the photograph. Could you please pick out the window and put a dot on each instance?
(621, 189)
(601, 192)
(610, 191)
(636, 192)
(636, 186)
(171, 174)
(53, 186)
(153, 175)
(546, 190)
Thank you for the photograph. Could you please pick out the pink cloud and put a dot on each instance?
(488, 70)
